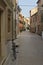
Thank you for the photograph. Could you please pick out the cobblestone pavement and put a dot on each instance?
(30, 50)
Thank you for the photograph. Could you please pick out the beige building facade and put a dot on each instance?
(6, 12)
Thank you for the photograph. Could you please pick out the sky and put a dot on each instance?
(26, 6)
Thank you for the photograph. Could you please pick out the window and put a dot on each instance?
(9, 19)
(42, 5)
(42, 17)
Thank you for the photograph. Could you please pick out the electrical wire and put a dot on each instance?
(28, 5)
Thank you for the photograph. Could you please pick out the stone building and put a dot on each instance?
(27, 22)
(40, 17)
(21, 22)
(33, 19)
(6, 19)
(18, 10)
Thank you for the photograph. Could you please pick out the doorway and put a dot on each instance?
(0, 33)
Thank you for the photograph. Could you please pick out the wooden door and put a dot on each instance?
(0, 33)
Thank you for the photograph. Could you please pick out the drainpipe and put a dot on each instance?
(15, 19)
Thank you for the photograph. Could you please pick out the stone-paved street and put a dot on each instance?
(30, 50)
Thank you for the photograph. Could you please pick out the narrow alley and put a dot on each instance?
(30, 49)
(21, 32)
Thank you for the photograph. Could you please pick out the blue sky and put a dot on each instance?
(25, 9)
